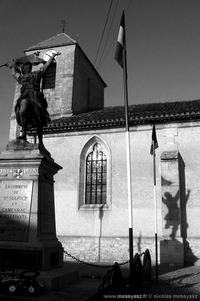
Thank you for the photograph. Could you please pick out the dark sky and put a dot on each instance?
(163, 45)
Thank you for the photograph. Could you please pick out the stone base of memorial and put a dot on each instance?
(27, 215)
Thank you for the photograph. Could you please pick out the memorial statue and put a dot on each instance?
(31, 106)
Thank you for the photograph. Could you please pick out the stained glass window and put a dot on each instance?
(96, 176)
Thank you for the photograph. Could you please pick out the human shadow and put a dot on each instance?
(173, 216)
(176, 214)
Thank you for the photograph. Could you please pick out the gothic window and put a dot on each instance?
(96, 176)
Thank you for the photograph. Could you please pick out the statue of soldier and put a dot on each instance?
(31, 106)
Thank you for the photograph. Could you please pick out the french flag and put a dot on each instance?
(121, 42)
(154, 142)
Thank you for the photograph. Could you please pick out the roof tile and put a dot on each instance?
(61, 39)
(114, 117)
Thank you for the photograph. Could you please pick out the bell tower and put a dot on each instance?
(71, 85)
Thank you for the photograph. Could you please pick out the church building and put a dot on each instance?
(88, 140)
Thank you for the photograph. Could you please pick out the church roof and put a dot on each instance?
(61, 39)
(114, 117)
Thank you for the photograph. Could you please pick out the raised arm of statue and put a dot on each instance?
(48, 63)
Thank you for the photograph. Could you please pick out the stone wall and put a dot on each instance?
(59, 98)
(88, 88)
(104, 249)
(72, 222)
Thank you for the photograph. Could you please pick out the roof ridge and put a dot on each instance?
(114, 117)
(147, 111)
(156, 103)
(60, 39)
(63, 33)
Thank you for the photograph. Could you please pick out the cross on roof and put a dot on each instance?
(63, 24)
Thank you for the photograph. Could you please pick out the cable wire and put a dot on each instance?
(106, 42)
(114, 38)
(107, 16)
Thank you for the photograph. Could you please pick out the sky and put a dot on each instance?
(163, 45)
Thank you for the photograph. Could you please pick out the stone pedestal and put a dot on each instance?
(171, 247)
(27, 214)
(172, 252)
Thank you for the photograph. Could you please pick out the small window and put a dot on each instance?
(96, 176)
(49, 77)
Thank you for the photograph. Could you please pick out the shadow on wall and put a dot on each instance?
(101, 213)
(190, 258)
(177, 214)
(173, 216)
(139, 243)
(14, 229)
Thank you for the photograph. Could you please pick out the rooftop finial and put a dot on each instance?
(77, 36)
(63, 24)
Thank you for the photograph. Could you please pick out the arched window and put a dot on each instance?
(96, 176)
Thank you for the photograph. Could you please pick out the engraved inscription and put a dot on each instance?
(18, 173)
(31, 171)
(15, 203)
(4, 172)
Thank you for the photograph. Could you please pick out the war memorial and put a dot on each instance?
(28, 238)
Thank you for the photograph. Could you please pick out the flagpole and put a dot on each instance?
(155, 210)
(120, 56)
(129, 178)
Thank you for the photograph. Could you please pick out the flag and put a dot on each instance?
(121, 42)
(154, 142)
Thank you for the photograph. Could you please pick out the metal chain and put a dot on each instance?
(93, 264)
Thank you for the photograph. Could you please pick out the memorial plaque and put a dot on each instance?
(15, 205)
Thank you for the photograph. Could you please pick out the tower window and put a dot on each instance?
(50, 77)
